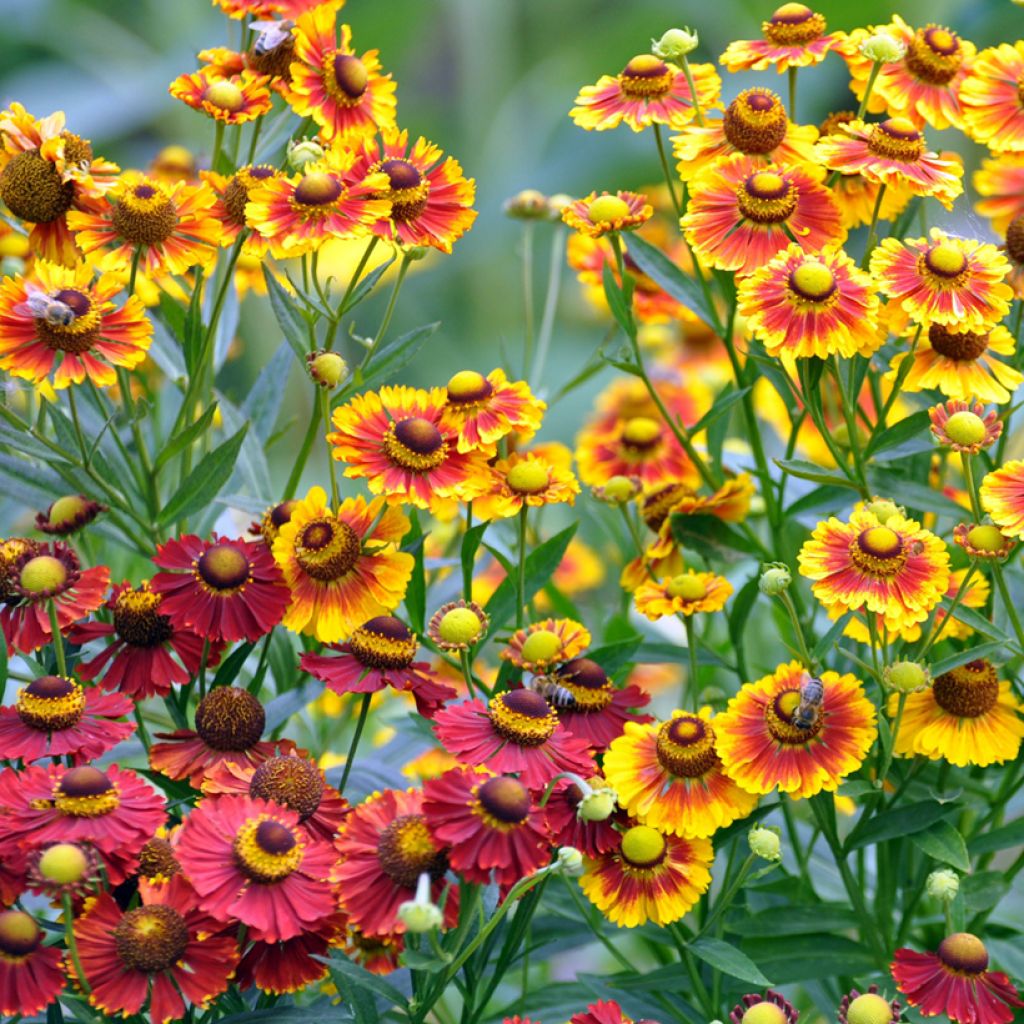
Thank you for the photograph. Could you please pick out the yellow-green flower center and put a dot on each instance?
(468, 386)
(67, 509)
(813, 281)
(63, 863)
(643, 846)
(606, 209)
(869, 1008)
(965, 428)
(765, 197)
(460, 626)
(946, 260)
(878, 551)
(541, 647)
(19, 934)
(224, 96)
(641, 432)
(528, 478)
(986, 538)
(764, 1013)
(42, 574)
(688, 586)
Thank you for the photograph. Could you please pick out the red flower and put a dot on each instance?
(490, 823)
(163, 950)
(44, 573)
(282, 967)
(517, 731)
(140, 661)
(113, 811)
(378, 654)
(229, 724)
(30, 973)
(224, 589)
(567, 829)
(55, 716)
(954, 981)
(250, 861)
(601, 1012)
(385, 845)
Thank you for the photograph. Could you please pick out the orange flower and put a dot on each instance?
(486, 409)
(524, 481)
(231, 100)
(794, 37)
(596, 215)
(990, 96)
(1000, 181)
(686, 594)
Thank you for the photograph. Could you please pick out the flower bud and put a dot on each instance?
(302, 152)
(765, 842)
(618, 490)
(775, 578)
(328, 369)
(421, 914)
(557, 203)
(527, 205)
(675, 44)
(883, 48)
(569, 862)
(943, 884)
(883, 509)
(906, 677)
(598, 804)
(63, 863)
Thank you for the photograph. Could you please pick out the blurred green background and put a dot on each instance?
(490, 81)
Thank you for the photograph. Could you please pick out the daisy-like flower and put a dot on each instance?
(269, 524)
(165, 951)
(148, 653)
(401, 442)
(229, 723)
(343, 567)
(281, 968)
(754, 124)
(516, 732)
(30, 972)
(385, 844)
(431, 201)
(46, 173)
(764, 746)
(602, 1012)
(37, 575)
(898, 570)
(596, 215)
(290, 780)
(590, 705)
(892, 152)
(490, 823)
(1000, 183)
(774, 1007)
(523, 481)
(741, 214)
(668, 775)
(1002, 497)
(962, 364)
(113, 811)
(968, 716)
(330, 199)
(458, 625)
(794, 37)
(486, 409)
(379, 653)
(990, 98)
(171, 226)
(58, 323)
(345, 93)
(651, 876)
(543, 644)
(230, 207)
(955, 981)
(924, 86)
(647, 91)
(224, 588)
(801, 306)
(964, 426)
(233, 99)
(955, 282)
(868, 1005)
(686, 594)
(566, 827)
(68, 515)
(55, 716)
(251, 861)
(983, 540)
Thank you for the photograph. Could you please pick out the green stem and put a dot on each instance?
(792, 93)
(805, 654)
(724, 900)
(467, 672)
(357, 276)
(1011, 611)
(69, 938)
(78, 428)
(666, 168)
(890, 753)
(547, 320)
(527, 262)
(972, 490)
(325, 406)
(364, 710)
(203, 662)
(143, 734)
(698, 115)
(56, 638)
(257, 128)
(941, 624)
(307, 446)
(862, 109)
(379, 336)
(692, 681)
(521, 570)
(872, 228)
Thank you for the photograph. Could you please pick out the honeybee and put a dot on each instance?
(271, 35)
(812, 696)
(554, 693)
(46, 307)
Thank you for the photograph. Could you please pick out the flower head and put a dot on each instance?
(868, 1008)
(458, 625)
(233, 99)
(543, 644)
(30, 972)
(525, 480)
(964, 426)
(1002, 497)
(68, 515)
(983, 540)
(990, 97)
(771, 1008)
(675, 44)
(793, 37)
(685, 594)
(489, 408)
(596, 215)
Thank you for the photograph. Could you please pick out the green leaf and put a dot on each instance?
(229, 668)
(825, 497)
(684, 289)
(790, 958)
(341, 964)
(261, 404)
(740, 609)
(900, 821)
(365, 286)
(541, 564)
(416, 592)
(944, 843)
(320, 1011)
(710, 535)
(998, 839)
(204, 482)
(186, 437)
(824, 645)
(471, 544)
(612, 657)
(906, 429)
(729, 960)
(959, 658)
(722, 404)
(386, 361)
(796, 920)
(912, 494)
(977, 622)
(616, 301)
(293, 327)
(813, 472)
(983, 890)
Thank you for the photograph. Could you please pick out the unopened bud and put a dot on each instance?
(618, 490)
(675, 44)
(883, 48)
(906, 677)
(765, 842)
(302, 152)
(943, 884)
(569, 862)
(527, 205)
(598, 804)
(883, 509)
(775, 578)
(421, 914)
(557, 203)
(63, 863)
(415, 253)
(328, 369)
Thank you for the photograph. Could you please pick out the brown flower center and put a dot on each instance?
(523, 717)
(151, 938)
(646, 77)
(406, 850)
(317, 190)
(384, 642)
(896, 139)
(50, 703)
(964, 953)
(755, 122)
(137, 619)
(878, 551)
(229, 718)
(409, 190)
(793, 25)
(686, 746)
(85, 793)
(766, 197)
(327, 549)
(267, 850)
(779, 717)
(224, 567)
(157, 860)
(291, 781)
(589, 684)
(19, 935)
(346, 78)
(964, 347)
(415, 444)
(31, 187)
(935, 55)
(236, 192)
(144, 215)
(1015, 240)
(969, 691)
(275, 61)
(656, 505)
(504, 799)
